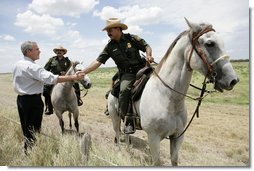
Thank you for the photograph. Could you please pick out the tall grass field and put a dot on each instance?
(219, 137)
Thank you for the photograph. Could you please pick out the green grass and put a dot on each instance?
(101, 78)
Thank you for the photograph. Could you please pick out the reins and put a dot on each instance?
(186, 95)
(85, 92)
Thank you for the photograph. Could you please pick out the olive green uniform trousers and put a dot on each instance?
(127, 80)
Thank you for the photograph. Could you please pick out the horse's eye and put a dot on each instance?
(209, 44)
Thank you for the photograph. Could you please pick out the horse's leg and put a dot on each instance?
(75, 116)
(60, 118)
(175, 145)
(154, 144)
(61, 122)
(116, 120)
(70, 120)
(116, 126)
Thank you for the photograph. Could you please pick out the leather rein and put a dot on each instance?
(196, 46)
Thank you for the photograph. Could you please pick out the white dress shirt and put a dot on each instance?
(29, 77)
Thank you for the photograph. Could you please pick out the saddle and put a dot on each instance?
(142, 77)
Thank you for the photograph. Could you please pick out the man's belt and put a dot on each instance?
(133, 69)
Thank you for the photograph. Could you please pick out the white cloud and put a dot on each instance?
(223, 14)
(40, 24)
(108, 12)
(135, 29)
(72, 8)
(133, 16)
(142, 16)
(7, 37)
(230, 19)
(158, 22)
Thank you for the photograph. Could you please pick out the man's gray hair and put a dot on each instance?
(27, 45)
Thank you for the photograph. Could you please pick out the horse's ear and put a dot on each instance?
(187, 21)
(194, 27)
(191, 25)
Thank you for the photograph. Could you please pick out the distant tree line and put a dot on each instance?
(239, 60)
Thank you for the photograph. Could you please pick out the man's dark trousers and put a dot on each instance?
(30, 108)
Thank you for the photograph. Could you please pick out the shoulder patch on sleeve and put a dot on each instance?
(137, 38)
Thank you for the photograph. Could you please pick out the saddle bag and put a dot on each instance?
(116, 89)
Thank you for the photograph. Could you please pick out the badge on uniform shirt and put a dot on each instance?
(128, 45)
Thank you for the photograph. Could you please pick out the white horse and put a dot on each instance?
(162, 108)
(64, 98)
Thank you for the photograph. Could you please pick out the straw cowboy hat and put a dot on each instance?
(114, 22)
(60, 48)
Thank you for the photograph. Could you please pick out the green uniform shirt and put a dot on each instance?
(56, 66)
(125, 53)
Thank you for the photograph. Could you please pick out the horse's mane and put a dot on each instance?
(157, 69)
(70, 70)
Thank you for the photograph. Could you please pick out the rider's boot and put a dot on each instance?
(49, 107)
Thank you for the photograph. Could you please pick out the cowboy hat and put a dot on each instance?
(114, 22)
(60, 48)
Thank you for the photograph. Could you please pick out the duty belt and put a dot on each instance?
(133, 69)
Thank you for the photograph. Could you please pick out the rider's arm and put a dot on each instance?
(93, 66)
(149, 54)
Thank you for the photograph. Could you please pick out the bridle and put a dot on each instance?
(196, 46)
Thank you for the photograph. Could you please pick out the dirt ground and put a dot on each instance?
(219, 137)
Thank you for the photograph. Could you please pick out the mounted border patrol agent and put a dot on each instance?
(58, 65)
(124, 50)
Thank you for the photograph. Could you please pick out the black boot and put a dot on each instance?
(49, 112)
(49, 107)
(129, 123)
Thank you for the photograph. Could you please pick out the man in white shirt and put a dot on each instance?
(28, 81)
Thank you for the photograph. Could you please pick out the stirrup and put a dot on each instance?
(129, 125)
(129, 129)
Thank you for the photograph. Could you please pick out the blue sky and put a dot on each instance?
(77, 24)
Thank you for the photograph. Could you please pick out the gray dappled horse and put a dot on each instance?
(63, 97)
(162, 107)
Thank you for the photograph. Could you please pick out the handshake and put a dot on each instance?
(79, 75)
